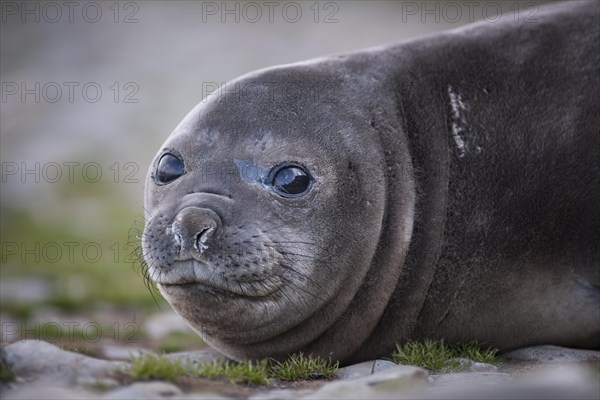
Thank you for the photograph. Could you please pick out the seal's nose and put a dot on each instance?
(194, 230)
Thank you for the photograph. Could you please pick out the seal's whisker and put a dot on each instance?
(309, 257)
(303, 289)
(293, 242)
(275, 227)
(141, 266)
(143, 261)
(309, 279)
(290, 301)
(306, 256)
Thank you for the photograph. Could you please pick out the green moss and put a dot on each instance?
(435, 355)
(6, 374)
(297, 367)
(429, 354)
(474, 351)
(255, 373)
(148, 366)
(300, 367)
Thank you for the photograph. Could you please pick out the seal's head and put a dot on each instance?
(265, 209)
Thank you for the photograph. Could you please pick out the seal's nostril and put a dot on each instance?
(201, 238)
(193, 229)
(175, 230)
(178, 240)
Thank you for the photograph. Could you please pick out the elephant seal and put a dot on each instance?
(446, 187)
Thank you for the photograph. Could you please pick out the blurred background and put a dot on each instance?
(90, 90)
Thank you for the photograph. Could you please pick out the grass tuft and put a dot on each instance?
(435, 355)
(429, 354)
(6, 374)
(149, 366)
(299, 367)
(474, 351)
(296, 367)
(256, 373)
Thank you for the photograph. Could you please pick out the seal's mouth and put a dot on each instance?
(196, 275)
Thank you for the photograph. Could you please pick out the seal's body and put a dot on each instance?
(447, 187)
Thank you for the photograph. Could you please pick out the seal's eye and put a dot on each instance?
(169, 168)
(291, 180)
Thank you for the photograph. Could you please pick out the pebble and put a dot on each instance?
(45, 371)
(44, 391)
(282, 394)
(145, 390)
(470, 378)
(388, 382)
(468, 365)
(122, 353)
(38, 360)
(552, 354)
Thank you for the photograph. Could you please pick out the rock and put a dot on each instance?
(282, 394)
(482, 367)
(160, 325)
(343, 390)
(43, 391)
(145, 390)
(34, 360)
(363, 369)
(98, 384)
(552, 354)
(555, 383)
(355, 371)
(380, 365)
(122, 353)
(390, 383)
(398, 374)
(204, 396)
(565, 375)
(470, 378)
(468, 365)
